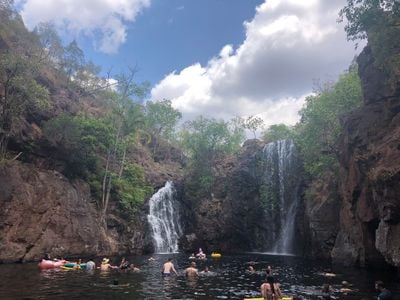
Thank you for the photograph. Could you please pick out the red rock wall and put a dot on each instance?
(41, 211)
(370, 165)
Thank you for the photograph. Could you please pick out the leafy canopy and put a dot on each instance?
(277, 132)
(161, 118)
(319, 127)
(361, 15)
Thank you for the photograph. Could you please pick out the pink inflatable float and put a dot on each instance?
(49, 264)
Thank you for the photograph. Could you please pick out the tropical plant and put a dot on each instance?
(317, 132)
(19, 90)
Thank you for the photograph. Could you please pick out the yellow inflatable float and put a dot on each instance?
(216, 255)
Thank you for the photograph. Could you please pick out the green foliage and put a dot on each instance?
(131, 188)
(277, 132)
(74, 58)
(50, 41)
(319, 128)
(19, 91)
(362, 15)
(161, 118)
(79, 140)
(205, 141)
(253, 123)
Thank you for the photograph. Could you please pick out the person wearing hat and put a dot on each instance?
(105, 266)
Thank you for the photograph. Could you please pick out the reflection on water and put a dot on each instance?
(230, 280)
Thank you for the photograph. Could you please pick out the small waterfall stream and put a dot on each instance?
(281, 194)
(164, 220)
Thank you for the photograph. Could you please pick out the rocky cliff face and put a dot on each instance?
(322, 206)
(41, 211)
(370, 163)
(235, 216)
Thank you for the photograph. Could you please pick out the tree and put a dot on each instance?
(18, 91)
(317, 132)
(205, 141)
(161, 118)
(253, 123)
(126, 118)
(362, 15)
(50, 42)
(79, 140)
(277, 132)
(74, 59)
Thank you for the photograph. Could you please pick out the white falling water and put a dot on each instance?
(282, 181)
(164, 219)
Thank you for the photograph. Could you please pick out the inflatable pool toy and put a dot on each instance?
(70, 266)
(216, 255)
(50, 264)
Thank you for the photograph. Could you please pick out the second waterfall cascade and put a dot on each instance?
(281, 182)
(164, 220)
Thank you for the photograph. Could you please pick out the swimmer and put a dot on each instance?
(191, 271)
(270, 289)
(105, 266)
(326, 293)
(250, 269)
(134, 268)
(345, 289)
(168, 267)
(124, 264)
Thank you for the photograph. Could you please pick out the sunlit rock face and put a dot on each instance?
(370, 166)
(42, 212)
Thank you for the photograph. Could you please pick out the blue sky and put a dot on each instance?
(170, 35)
(216, 58)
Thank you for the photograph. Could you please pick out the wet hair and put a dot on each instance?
(115, 282)
(169, 259)
(271, 281)
(326, 288)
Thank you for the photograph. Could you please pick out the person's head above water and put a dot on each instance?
(105, 260)
(193, 264)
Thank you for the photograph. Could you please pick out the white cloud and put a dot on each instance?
(103, 19)
(288, 45)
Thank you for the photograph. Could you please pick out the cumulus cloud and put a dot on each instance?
(98, 19)
(288, 45)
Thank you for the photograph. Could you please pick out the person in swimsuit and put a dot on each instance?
(270, 290)
(191, 271)
(168, 267)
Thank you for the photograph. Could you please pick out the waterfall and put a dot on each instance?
(280, 194)
(164, 219)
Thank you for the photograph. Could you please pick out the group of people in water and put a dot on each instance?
(90, 265)
(269, 289)
(168, 269)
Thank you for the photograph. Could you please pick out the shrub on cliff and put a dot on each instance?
(317, 132)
